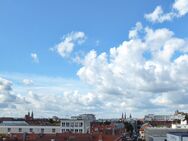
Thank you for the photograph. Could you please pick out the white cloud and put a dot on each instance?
(139, 71)
(34, 57)
(66, 47)
(181, 6)
(179, 9)
(5, 85)
(159, 16)
(134, 32)
(8, 100)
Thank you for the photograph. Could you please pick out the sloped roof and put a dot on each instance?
(14, 123)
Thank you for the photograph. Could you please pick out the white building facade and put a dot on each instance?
(77, 124)
(30, 129)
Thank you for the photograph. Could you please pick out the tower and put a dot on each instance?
(32, 115)
(125, 116)
(130, 116)
(122, 119)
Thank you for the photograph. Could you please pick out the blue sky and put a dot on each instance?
(35, 26)
(31, 32)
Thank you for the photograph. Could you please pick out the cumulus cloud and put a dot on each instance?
(7, 97)
(134, 32)
(148, 67)
(159, 16)
(179, 9)
(34, 57)
(181, 6)
(65, 47)
(5, 85)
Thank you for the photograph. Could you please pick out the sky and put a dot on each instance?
(66, 57)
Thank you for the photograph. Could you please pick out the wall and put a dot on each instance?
(26, 129)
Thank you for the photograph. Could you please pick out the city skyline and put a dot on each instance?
(101, 57)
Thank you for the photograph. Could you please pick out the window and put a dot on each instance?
(72, 130)
(80, 124)
(67, 124)
(53, 130)
(76, 124)
(80, 130)
(31, 129)
(76, 130)
(72, 124)
(63, 130)
(67, 130)
(20, 129)
(9, 129)
(42, 130)
(63, 124)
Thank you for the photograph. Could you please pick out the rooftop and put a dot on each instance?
(14, 123)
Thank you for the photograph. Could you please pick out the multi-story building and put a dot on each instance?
(77, 124)
(152, 117)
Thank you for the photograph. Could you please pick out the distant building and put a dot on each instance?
(29, 116)
(110, 128)
(176, 116)
(152, 117)
(89, 117)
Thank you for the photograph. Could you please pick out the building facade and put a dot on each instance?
(77, 124)
(29, 129)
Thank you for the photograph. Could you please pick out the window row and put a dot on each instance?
(31, 130)
(72, 124)
(72, 130)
